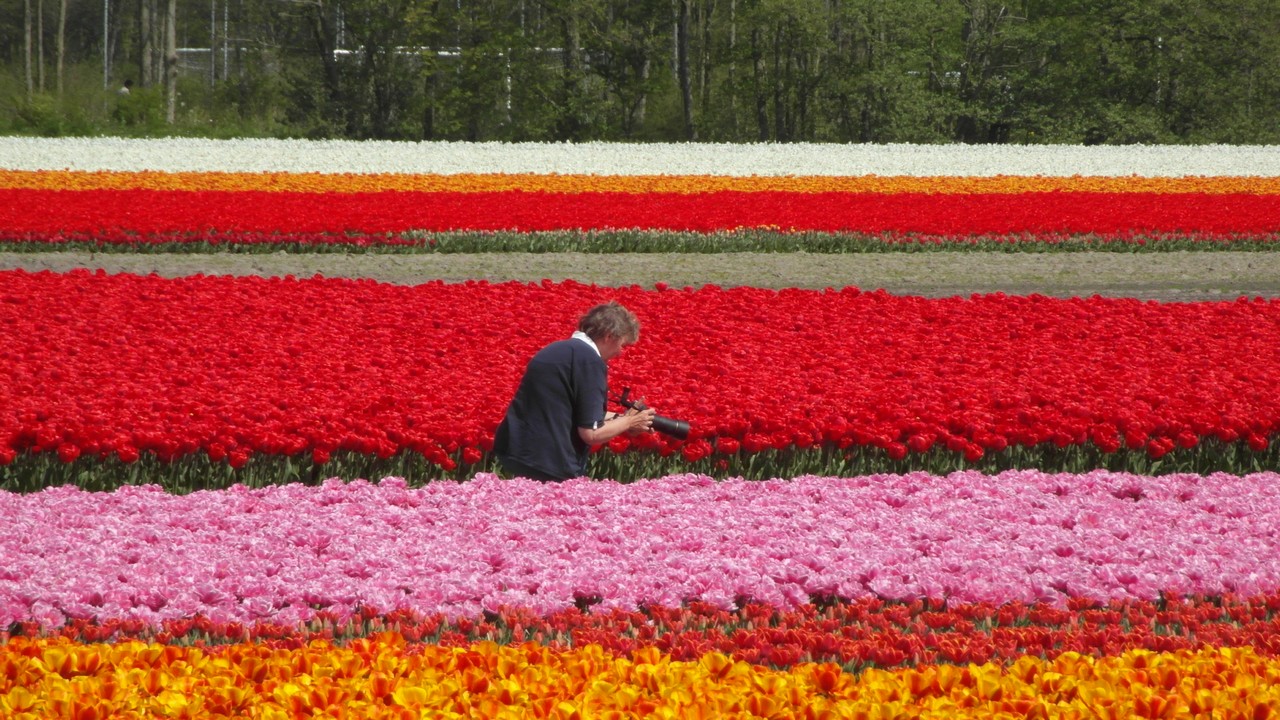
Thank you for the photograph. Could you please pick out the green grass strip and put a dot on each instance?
(644, 241)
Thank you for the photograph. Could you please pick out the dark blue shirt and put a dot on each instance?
(564, 388)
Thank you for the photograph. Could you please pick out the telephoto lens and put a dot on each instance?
(678, 429)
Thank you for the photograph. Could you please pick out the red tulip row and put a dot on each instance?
(118, 214)
(855, 634)
(118, 366)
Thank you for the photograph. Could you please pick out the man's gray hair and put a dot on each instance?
(610, 319)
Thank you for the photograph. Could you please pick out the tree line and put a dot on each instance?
(975, 71)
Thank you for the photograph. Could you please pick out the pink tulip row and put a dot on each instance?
(281, 554)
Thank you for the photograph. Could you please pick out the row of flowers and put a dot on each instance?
(284, 554)
(381, 677)
(854, 634)
(110, 190)
(447, 158)
(32, 214)
(661, 184)
(117, 365)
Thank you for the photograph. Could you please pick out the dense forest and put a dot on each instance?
(974, 71)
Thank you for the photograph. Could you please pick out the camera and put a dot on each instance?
(678, 429)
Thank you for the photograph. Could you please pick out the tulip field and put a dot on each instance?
(316, 374)
(136, 193)
(274, 497)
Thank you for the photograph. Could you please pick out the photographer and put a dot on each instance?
(558, 411)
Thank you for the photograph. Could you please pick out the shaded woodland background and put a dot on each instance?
(927, 71)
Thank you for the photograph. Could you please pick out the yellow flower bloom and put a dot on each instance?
(383, 677)
(18, 700)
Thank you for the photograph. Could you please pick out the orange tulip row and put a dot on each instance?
(382, 676)
(572, 184)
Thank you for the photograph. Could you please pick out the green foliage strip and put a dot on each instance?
(651, 241)
(32, 472)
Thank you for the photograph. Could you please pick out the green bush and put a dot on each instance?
(44, 114)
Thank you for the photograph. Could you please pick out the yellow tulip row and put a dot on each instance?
(683, 184)
(382, 676)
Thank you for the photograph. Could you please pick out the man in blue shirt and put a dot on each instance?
(558, 411)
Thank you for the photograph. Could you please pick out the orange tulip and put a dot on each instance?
(331, 681)
(569, 183)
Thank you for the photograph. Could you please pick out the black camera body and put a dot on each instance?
(678, 429)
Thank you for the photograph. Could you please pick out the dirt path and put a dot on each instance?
(1160, 276)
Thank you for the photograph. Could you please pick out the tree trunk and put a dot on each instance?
(733, 67)
(171, 62)
(213, 43)
(762, 100)
(682, 68)
(638, 111)
(326, 43)
(26, 48)
(431, 79)
(146, 23)
(40, 45)
(704, 58)
(979, 35)
(779, 112)
(572, 45)
(506, 87)
(62, 38)
(570, 124)
(160, 42)
(379, 60)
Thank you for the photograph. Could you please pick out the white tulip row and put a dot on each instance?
(343, 156)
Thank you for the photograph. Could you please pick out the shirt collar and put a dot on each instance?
(579, 335)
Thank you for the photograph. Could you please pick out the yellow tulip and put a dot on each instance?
(171, 703)
(410, 696)
(988, 681)
(324, 680)
(18, 700)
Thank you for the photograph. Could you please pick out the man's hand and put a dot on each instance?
(641, 421)
(632, 422)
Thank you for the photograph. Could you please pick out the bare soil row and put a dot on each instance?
(1168, 276)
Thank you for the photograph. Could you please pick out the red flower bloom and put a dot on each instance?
(68, 452)
(727, 446)
(337, 365)
(695, 450)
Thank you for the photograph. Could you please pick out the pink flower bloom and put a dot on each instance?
(285, 553)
